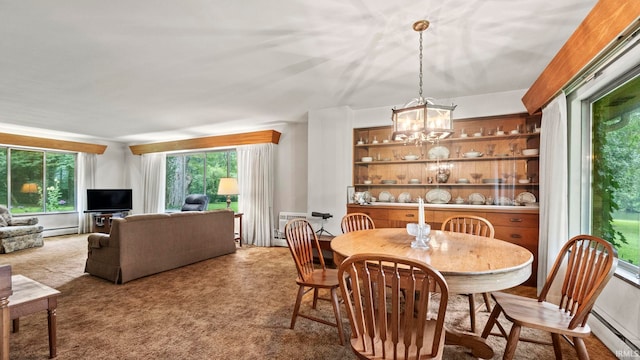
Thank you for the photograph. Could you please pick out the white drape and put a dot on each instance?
(87, 166)
(553, 185)
(256, 183)
(153, 182)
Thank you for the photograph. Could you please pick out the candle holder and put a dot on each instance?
(421, 233)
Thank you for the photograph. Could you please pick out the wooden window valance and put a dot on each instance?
(257, 137)
(607, 21)
(45, 143)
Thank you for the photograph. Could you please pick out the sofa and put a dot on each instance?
(17, 233)
(146, 244)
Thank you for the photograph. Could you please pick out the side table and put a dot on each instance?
(30, 296)
(238, 235)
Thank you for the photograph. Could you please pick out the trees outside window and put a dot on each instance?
(35, 181)
(615, 190)
(199, 173)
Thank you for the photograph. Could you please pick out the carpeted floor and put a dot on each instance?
(233, 307)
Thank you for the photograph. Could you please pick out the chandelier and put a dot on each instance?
(420, 119)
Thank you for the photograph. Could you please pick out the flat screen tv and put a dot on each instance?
(109, 200)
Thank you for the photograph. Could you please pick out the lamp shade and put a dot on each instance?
(228, 186)
(29, 188)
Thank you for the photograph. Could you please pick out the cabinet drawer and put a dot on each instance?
(440, 216)
(524, 236)
(381, 214)
(408, 215)
(513, 219)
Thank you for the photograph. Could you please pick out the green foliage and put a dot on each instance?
(198, 173)
(616, 170)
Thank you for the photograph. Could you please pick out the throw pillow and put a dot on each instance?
(5, 216)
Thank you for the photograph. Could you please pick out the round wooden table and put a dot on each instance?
(469, 264)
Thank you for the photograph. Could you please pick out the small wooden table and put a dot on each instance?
(29, 297)
(470, 264)
(238, 235)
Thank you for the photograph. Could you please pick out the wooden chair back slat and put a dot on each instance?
(356, 221)
(302, 240)
(388, 301)
(590, 263)
(469, 224)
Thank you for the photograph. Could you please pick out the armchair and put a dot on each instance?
(195, 202)
(18, 233)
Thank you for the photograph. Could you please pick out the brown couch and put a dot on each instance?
(141, 245)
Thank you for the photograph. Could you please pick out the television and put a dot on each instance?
(109, 200)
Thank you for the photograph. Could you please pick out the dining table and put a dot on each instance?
(470, 264)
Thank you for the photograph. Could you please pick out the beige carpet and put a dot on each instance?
(233, 307)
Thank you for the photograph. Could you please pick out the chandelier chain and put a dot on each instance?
(420, 83)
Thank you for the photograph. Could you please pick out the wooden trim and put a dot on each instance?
(601, 28)
(257, 137)
(32, 141)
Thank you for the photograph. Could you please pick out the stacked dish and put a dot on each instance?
(530, 151)
(389, 182)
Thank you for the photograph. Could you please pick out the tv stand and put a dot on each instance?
(101, 222)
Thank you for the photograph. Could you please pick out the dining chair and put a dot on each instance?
(588, 263)
(356, 221)
(372, 287)
(302, 240)
(474, 225)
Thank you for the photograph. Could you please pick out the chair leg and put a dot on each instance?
(557, 349)
(581, 349)
(512, 342)
(487, 301)
(315, 298)
(336, 309)
(491, 322)
(472, 311)
(296, 308)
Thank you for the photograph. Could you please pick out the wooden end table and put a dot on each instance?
(238, 235)
(30, 296)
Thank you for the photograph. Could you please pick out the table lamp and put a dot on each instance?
(228, 186)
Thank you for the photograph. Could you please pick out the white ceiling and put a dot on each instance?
(154, 70)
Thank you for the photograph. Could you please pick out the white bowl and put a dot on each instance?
(472, 154)
(515, 132)
(523, 181)
(367, 159)
(411, 157)
(500, 132)
(367, 182)
(414, 181)
(530, 151)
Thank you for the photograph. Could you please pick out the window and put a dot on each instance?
(23, 174)
(199, 173)
(615, 172)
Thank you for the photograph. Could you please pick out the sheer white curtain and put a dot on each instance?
(553, 185)
(256, 183)
(153, 182)
(87, 166)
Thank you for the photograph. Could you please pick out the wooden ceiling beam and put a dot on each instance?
(598, 31)
(257, 137)
(45, 143)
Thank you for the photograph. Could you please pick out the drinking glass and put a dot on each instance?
(476, 177)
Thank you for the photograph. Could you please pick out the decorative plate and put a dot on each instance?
(503, 200)
(526, 198)
(438, 196)
(438, 152)
(384, 196)
(476, 199)
(405, 197)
